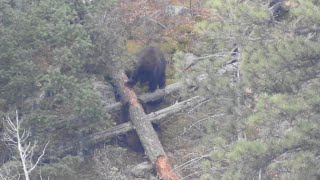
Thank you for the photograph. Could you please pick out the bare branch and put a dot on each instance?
(17, 139)
(39, 158)
(157, 23)
(196, 60)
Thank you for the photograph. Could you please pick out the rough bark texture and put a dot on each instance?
(152, 117)
(161, 165)
(150, 96)
(148, 137)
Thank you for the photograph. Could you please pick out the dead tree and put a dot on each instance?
(144, 129)
(101, 136)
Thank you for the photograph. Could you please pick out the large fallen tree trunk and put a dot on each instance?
(147, 135)
(152, 117)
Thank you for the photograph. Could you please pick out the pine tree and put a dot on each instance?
(268, 104)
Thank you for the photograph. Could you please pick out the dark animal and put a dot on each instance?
(278, 9)
(151, 68)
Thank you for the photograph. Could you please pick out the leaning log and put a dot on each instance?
(158, 94)
(152, 117)
(147, 135)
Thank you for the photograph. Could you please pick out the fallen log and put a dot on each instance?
(147, 135)
(158, 94)
(152, 117)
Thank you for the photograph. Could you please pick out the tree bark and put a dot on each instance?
(147, 135)
(159, 93)
(152, 117)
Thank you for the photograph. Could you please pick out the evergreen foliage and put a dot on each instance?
(270, 102)
(43, 50)
(262, 117)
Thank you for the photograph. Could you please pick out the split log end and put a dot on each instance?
(164, 169)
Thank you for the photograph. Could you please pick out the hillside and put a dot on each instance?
(241, 101)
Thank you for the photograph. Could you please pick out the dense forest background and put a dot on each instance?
(257, 65)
